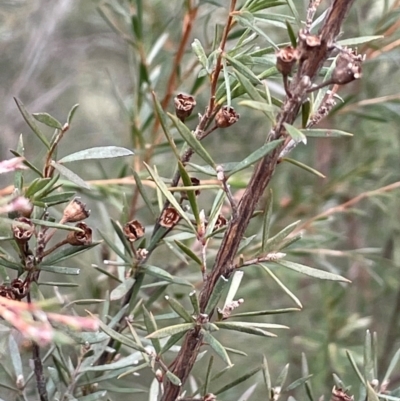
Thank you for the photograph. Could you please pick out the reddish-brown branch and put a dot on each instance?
(261, 177)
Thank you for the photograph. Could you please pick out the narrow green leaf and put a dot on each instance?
(119, 337)
(233, 288)
(248, 23)
(266, 375)
(124, 362)
(256, 156)
(199, 52)
(94, 396)
(69, 175)
(36, 185)
(172, 341)
(242, 69)
(18, 175)
(237, 381)
(266, 312)
(261, 106)
(191, 140)
(368, 359)
(72, 271)
(280, 381)
(179, 309)
(119, 231)
(48, 120)
(227, 83)
(309, 271)
(101, 152)
(292, 35)
(143, 193)
(67, 253)
(188, 252)
(303, 166)
(52, 224)
(28, 164)
(58, 198)
(391, 367)
(171, 330)
(264, 4)
(371, 394)
(217, 347)
(31, 122)
(122, 289)
(216, 294)
(281, 285)
(157, 272)
(195, 302)
(72, 113)
(10, 264)
(324, 133)
(249, 87)
(164, 189)
(192, 197)
(359, 40)
(295, 133)
(112, 244)
(355, 367)
(58, 284)
(298, 382)
(208, 375)
(294, 11)
(235, 326)
(15, 356)
(173, 379)
(151, 327)
(163, 121)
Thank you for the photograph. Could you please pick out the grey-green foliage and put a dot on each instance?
(136, 42)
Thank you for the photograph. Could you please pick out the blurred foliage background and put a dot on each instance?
(55, 53)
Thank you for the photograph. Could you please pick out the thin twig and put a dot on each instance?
(38, 366)
(346, 205)
(261, 177)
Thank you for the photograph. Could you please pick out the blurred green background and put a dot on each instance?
(55, 53)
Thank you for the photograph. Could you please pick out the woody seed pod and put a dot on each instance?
(23, 232)
(75, 211)
(77, 238)
(133, 230)
(226, 117)
(184, 105)
(286, 58)
(169, 218)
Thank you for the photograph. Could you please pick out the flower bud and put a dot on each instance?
(169, 217)
(226, 117)
(75, 211)
(286, 58)
(133, 230)
(22, 232)
(77, 238)
(184, 105)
